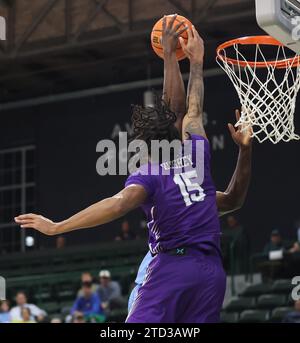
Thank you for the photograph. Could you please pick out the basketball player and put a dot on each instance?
(174, 93)
(185, 281)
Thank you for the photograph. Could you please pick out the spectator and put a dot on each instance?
(87, 277)
(60, 242)
(295, 248)
(275, 243)
(232, 227)
(78, 318)
(109, 291)
(26, 316)
(126, 234)
(88, 304)
(4, 312)
(294, 316)
(56, 320)
(35, 312)
(234, 241)
(275, 251)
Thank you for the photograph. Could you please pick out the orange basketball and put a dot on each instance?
(157, 34)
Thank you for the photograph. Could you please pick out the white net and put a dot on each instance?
(267, 91)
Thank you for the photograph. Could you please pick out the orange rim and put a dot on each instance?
(256, 40)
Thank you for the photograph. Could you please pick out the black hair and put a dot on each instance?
(154, 123)
(26, 309)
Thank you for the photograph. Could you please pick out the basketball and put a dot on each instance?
(157, 34)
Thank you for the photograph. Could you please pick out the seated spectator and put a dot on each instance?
(294, 316)
(234, 240)
(275, 243)
(295, 248)
(277, 265)
(232, 228)
(4, 312)
(78, 318)
(109, 291)
(56, 320)
(126, 234)
(297, 229)
(35, 312)
(87, 277)
(60, 242)
(88, 304)
(26, 316)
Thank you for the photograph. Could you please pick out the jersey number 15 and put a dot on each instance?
(187, 186)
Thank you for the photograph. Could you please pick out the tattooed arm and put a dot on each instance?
(193, 120)
(174, 90)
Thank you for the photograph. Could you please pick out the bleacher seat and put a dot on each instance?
(117, 316)
(66, 294)
(254, 316)
(257, 290)
(51, 307)
(229, 317)
(270, 301)
(96, 257)
(282, 286)
(65, 307)
(279, 313)
(290, 300)
(240, 304)
(43, 295)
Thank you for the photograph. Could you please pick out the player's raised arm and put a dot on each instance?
(234, 196)
(174, 90)
(193, 120)
(100, 213)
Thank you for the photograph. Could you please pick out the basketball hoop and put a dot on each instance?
(267, 86)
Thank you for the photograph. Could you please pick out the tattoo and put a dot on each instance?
(196, 88)
(193, 126)
(174, 90)
(193, 121)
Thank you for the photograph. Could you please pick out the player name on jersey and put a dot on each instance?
(180, 162)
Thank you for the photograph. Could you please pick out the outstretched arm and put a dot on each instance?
(193, 120)
(174, 90)
(234, 196)
(102, 212)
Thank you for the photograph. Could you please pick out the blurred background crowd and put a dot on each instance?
(97, 297)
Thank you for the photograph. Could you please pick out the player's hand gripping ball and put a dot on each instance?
(176, 25)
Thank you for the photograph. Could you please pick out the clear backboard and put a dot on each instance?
(281, 20)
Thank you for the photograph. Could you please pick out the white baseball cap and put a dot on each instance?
(104, 273)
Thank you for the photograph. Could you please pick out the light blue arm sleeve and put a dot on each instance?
(143, 269)
(139, 279)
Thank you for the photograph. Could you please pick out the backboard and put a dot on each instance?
(281, 20)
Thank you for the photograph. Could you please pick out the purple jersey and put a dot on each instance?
(181, 207)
